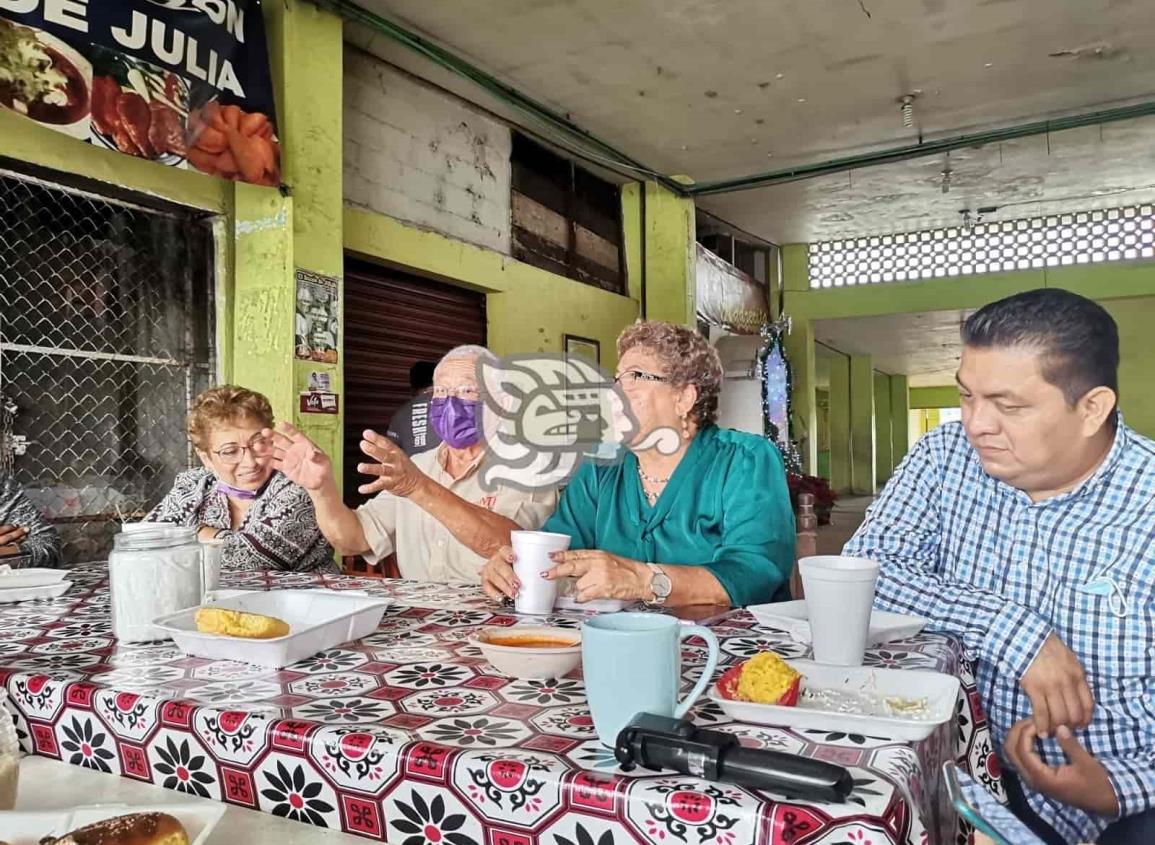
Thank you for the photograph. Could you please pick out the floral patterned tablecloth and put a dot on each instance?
(412, 737)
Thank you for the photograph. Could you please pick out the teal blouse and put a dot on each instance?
(726, 508)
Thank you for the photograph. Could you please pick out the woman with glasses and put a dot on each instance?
(265, 520)
(693, 514)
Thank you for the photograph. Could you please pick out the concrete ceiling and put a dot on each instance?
(1075, 170)
(727, 88)
(924, 346)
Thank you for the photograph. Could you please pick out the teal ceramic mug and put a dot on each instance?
(632, 664)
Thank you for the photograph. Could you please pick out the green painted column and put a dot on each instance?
(883, 445)
(841, 473)
(670, 255)
(862, 425)
(275, 234)
(934, 397)
(899, 419)
(800, 351)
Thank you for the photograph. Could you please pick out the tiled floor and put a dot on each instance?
(848, 515)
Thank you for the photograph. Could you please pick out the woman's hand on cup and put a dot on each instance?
(601, 575)
(498, 579)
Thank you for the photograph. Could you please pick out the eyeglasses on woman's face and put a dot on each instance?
(631, 377)
(233, 453)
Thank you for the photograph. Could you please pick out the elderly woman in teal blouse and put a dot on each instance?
(707, 523)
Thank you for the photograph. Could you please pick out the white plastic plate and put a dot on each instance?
(19, 828)
(941, 692)
(318, 620)
(30, 577)
(792, 617)
(44, 591)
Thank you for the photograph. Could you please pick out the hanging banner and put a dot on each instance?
(181, 82)
(726, 296)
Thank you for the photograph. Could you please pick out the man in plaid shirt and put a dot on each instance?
(1029, 532)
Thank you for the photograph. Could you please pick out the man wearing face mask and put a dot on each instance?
(430, 509)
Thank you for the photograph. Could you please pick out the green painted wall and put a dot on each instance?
(822, 467)
(264, 236)
(800, 349)
(861, 424)
(1135, 317)
(934, 397)
(23, 140)
(1126, 290)
(261, 235)
(899, 419)
(1122, 280)
(841, 474)
(529, 309)
(275, 235)
(632, 237)
(883, 446)
(670, 256)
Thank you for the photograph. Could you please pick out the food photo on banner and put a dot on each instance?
(181, 82)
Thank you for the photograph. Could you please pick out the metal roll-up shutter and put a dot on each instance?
(392, 321)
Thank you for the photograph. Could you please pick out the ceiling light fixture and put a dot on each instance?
(906, 105)
(946, 174)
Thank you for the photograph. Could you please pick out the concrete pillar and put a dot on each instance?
(899, 419)
(275, 235)
(841, 473)
(862, 425)
(800, 351)
(883, 445)
(670, 256)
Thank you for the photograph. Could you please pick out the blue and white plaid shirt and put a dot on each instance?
(986, 564)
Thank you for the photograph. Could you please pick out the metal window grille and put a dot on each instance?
(1088, 237)
(105, 336)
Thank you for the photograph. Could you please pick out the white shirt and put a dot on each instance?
(426, 550)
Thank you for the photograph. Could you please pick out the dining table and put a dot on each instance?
(410, 736)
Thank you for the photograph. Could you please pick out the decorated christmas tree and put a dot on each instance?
(774, 373)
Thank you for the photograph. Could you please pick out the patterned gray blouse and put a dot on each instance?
(42, 545)
(279, 530)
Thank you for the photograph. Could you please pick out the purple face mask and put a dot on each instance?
(455, 420)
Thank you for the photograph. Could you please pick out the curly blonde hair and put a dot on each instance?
(225, 404)
(687, 357)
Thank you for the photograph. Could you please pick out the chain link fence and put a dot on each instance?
(105, 337)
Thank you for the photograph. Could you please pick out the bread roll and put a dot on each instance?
(133, 829)
(237, 623)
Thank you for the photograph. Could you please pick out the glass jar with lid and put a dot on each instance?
(153, 572)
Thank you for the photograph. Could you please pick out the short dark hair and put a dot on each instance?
(1076, 337)
(421, 375)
